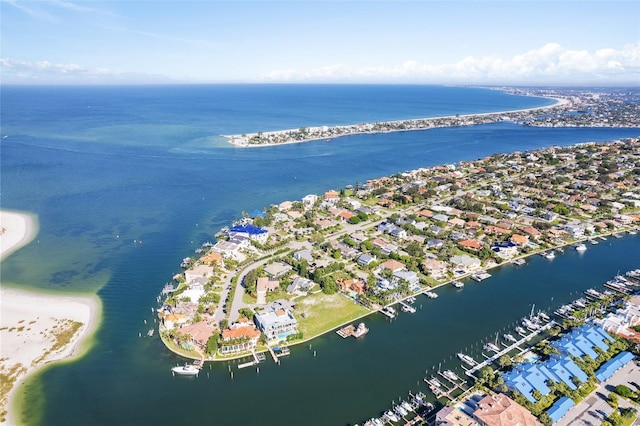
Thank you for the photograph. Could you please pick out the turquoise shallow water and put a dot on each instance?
(104, 167)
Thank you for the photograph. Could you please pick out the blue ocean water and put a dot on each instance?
(126, 181)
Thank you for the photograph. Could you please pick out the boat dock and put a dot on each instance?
(256, 360)
(479, 276)
(389, 312)
(509, 348)
(353, 331)
(406, 307)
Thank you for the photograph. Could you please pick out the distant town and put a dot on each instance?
(293, 271)
(575, 108)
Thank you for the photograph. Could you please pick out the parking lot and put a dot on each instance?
(592, 410)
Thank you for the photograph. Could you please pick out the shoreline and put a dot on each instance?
(421, 292)
(37, 328)
(241, 141)
(17, 229)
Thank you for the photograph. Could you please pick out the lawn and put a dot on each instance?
(319, 313)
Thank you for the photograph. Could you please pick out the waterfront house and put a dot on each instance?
(519, 240)
(436, 269)
(277, 324)
(500, 410)
(465, 263)
(198, 271)
(240, 337)
(254, 233)
(410, 277)
(173, 319)
(198, 333)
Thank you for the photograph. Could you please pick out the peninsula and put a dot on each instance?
(572, 108)
(296, 270)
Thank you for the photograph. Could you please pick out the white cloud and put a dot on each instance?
(550, 64)
(15, 71)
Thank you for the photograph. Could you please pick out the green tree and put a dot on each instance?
(212, 343)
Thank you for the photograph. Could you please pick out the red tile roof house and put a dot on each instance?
(500, 410)
(240, 337)
(198, 333)
(352, 286)
(474, 245)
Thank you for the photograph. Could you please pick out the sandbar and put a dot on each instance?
(36, 329)
(17, 229)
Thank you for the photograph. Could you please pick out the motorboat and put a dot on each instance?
(186, 370)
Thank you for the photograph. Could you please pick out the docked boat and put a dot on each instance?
(543, 316)
(406, 406)
(411, 299)
(431, 295)
(408, 308)
(581, 247)
(399, 410)
(451, 376)
(457, 284)
(519, 261)
(550, 255)
(491, 347)
(391, 416)
(530, 324)
(186, 370)
(593, 242)
(509, 337)
(466, 359)
(593, 294)
(419, 399)
(360, 331)
(520, 331)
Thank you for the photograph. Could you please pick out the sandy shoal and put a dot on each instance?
(17, 229)
(29, 328)
(35, 328)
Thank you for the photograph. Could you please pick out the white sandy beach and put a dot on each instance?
(17, 229)
(35, 329)
(242, 140)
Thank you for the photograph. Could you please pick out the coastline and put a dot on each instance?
(17, 229)
(36, 328)
(241, 141)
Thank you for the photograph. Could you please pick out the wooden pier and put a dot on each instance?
(347, 331)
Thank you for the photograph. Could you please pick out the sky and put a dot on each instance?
(516, 42)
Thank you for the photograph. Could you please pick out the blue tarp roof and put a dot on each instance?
(560, 408)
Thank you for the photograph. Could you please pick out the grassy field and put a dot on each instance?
(319, 312)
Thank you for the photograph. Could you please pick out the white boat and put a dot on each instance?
(543, 316)
(581, 247)
(520, 331)
(391, 416)
(400, 411)
(457, 284)
(450, 375)
(361, 330)
(407, 308)
(406, 406)
(550, 255)
(509, 337)
(593, 242)
(389, 311)
(186, 370)
(519, 261)
(491, 347)
(431, 295)
(465, 358)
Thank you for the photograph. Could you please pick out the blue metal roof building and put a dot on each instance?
(582, 340)
(560, 408)
(614, 364)
(248, 229)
